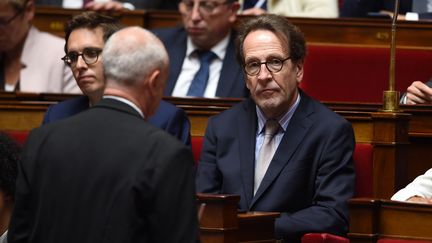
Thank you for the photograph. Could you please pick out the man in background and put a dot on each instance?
(202, 51)
(29, 59)
(9, 157)
(418, 191)
(106, 175)
(85, 36)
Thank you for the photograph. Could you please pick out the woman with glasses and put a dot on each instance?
(30, 59)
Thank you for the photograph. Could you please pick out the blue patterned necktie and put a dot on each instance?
(199, 82)
(251, 4)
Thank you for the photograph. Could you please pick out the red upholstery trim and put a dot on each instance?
(363, 162)
(196, 143)
(19, 136)
(323, 238)
(360, 74)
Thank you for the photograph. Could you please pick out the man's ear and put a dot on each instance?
(299, 72)
(153, 78)
(235, 6)
(29, 10)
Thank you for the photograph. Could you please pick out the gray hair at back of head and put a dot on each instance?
(127, 60)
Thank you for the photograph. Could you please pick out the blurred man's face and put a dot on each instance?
(89, 76)
(208, 21)
(14, 25)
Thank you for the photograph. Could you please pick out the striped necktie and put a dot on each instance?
(266, 152)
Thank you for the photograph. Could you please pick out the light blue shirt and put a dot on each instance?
(283, 122)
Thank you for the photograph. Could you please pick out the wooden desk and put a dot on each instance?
(53, 20)
(347, 31)
(220, 221)
(401, 141)
(374, 219)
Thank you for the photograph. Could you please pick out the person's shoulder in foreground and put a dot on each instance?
(106, 173)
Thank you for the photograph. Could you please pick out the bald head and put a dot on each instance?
(131, 54)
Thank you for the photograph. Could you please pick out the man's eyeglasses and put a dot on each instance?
(273, 65)
(204, 7)
(89, 55)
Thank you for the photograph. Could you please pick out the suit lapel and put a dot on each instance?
(297, 129)
(177, 53)
(229, 72)
(245, 125)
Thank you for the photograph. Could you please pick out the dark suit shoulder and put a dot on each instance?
(166, 114)
(169, 34)
(66, 109)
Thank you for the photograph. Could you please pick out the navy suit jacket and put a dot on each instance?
(167, 117)
(309, 179)
(104, 175)
(231, 82)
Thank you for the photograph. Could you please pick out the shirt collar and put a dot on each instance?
(26, 55)
(128, 102)
(283, 120)
(219, 49)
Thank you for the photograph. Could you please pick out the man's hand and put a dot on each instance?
(417, 199)
(253, 11)
(418, 93)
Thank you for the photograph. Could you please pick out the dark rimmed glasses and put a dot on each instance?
(273, 65)
(204, 7)
(89, 55)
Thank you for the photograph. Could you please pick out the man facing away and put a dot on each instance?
(202, 51)
(85, 36)
(106, 175)
(280, 150)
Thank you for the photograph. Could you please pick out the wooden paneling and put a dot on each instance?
(338, 31)
(53, 20)
(373, 219)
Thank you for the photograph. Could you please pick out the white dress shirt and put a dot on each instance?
(3, 237)
(191, 65)
(421, 186)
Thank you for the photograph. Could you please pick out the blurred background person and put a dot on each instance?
(9, 156)
(30, 59)
(419, 190)
(202, 51)
(292, 8)
(408, 9)
(418, 93)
